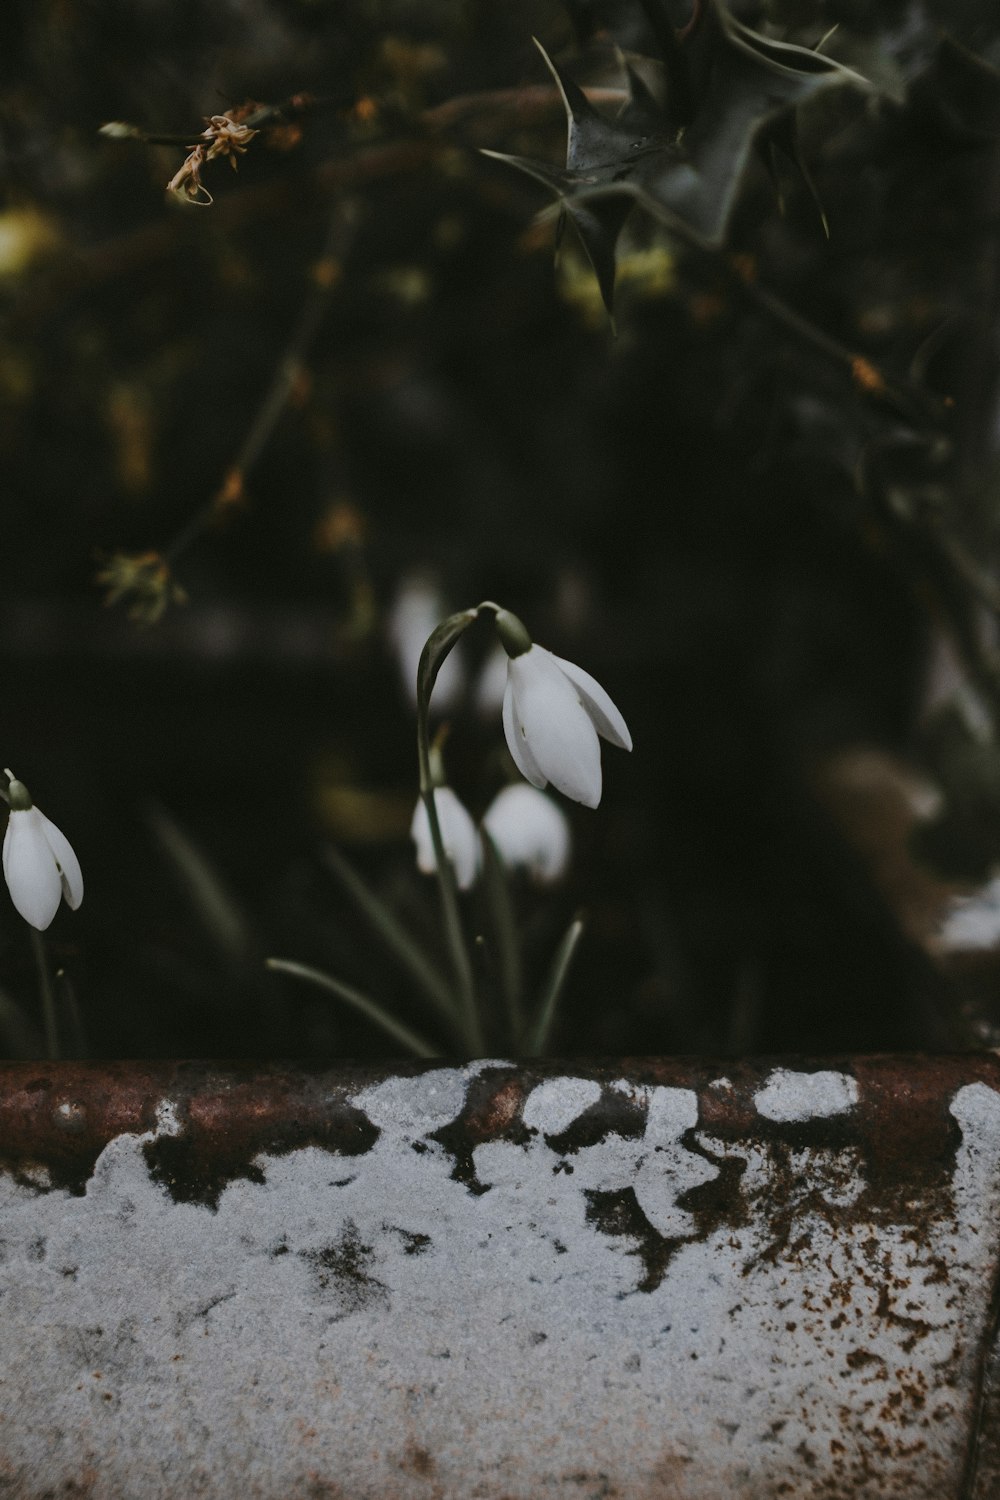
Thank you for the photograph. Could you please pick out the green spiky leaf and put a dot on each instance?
(740, 84)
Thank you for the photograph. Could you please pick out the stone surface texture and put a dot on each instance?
(645, 1279)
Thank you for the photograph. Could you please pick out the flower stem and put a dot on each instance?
(47, 994)
(71, 1010)
(436, 649)
(501, 908)
(370, 1009)
(448, 886)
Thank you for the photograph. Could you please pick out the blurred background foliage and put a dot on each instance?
(762, 511)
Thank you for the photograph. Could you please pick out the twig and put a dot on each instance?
(282, 384)
(913, 403)
(289, 192)
(270, 114)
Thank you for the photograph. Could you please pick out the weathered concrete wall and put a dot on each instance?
(636, 1280)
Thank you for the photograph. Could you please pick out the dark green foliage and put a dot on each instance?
(727, 92)
(754, 515)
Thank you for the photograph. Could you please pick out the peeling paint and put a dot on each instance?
(652, 1280)
(553, 1106)
(806, 1096)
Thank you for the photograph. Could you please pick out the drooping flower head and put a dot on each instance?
(39, 864)
(553, 713)
(529, 831)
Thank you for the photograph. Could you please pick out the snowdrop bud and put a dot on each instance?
(458, 835)
(553, 712)
(417, 610)
(39, 865)
(529, 832)
(512, 633)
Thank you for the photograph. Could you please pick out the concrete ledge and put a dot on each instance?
(637, 1279)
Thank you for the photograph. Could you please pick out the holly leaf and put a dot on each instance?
(743, 85)
(738, 85)
(599, 154)
(780, 141)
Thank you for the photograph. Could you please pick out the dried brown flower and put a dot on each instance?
(224, 135)
(145, 580)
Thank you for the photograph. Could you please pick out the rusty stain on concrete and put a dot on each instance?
(644, 1278)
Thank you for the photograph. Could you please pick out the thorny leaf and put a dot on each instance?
(780, 140)
(599, 153)
(741, 85)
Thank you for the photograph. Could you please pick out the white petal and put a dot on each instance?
(529, 831)
(607, 718)
(458, 835)
(30, 870)
(557, 730)
(69, 865)
(517, 744)
(420, 833)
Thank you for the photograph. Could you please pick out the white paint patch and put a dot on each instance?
(415, 1106)
(420, 1105)
(806, 1096)
(977, 1110)
(671, 1112)
(552, 1107)
(668, 1168)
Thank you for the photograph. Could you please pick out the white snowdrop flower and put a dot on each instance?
(417, 610)
(39, 865)
(553, 712)
(458, 835)
(972, 924)
(530, 832)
